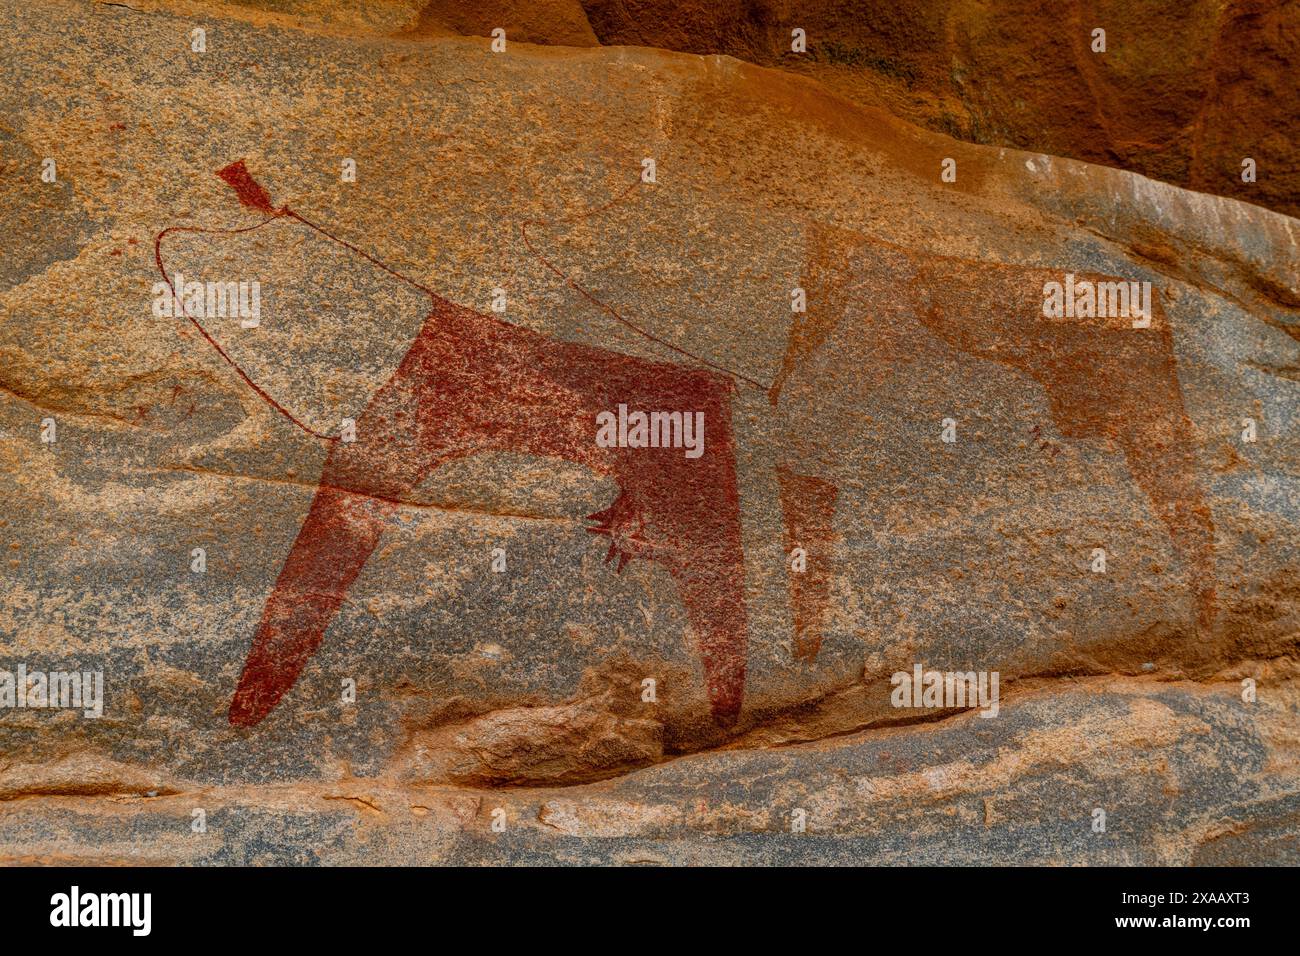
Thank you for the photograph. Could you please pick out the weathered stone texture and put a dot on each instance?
(524, 690)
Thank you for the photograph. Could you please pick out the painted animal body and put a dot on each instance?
(877, 307)
(471, 384)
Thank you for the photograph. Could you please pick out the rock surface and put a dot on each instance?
(1182, 92)
(392, 638)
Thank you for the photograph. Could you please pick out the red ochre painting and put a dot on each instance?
(448, 399)
(636, 432)
(447, 396)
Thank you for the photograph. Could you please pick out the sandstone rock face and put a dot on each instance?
(363, 581)
(1182, 92)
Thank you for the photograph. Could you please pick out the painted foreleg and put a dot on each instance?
(337, 538)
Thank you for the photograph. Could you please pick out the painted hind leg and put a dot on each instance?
(808, 513)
